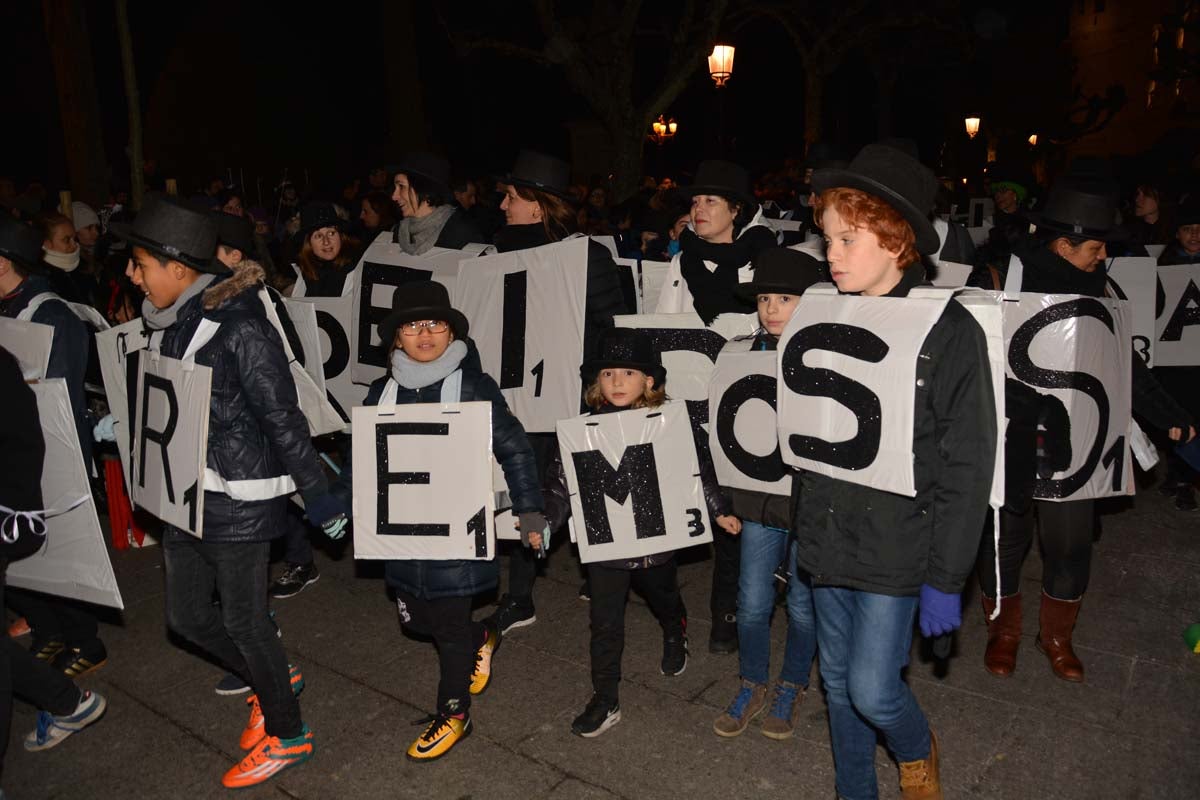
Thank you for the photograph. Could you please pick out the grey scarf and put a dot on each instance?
(158, 319)
(418, 235)
(418, 374)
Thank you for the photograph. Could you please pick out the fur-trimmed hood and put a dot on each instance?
(246, 275)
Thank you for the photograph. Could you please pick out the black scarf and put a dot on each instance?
(520, 237)
(1046, 272)
(713, 292)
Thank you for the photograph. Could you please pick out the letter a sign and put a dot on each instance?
(170, 445)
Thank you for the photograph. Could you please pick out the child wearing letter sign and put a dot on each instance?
(876, 557)
(627, 374)
(259, 452)
(433, 361)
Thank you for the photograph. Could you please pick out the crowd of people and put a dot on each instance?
(860, 567)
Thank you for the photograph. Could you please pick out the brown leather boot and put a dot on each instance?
(1054, 639)
(1004, 634)
(922, 780)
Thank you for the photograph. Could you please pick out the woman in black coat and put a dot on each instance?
(422, 192)
(537, 213)
(1056, 260)
(328, 253)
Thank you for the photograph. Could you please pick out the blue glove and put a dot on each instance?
(328, 513)
(941, 613)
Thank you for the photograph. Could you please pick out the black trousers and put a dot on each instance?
(33, 681)
(446, 620)
(727, 567)
(56, 619)
(610, 593)
(239, 632)
(1065, 530)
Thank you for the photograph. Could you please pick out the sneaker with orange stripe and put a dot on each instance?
(272, 755)
(439, 737)
(254, 731)
(481, 676)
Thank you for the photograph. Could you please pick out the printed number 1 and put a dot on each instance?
(1115, 457)
(538, 372)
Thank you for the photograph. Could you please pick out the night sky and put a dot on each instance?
(264, 87)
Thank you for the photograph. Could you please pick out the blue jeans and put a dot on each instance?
(864, 641)
(762, 551)
(238, 633)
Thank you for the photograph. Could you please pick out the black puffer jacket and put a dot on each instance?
(558, 499)
(772, 510)
(256, 431)
(435, 579)
(875, 541)
(604, 296)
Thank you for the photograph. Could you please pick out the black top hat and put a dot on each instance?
(235, 232)
(625, 348)
(315, 216)
(1080, 207)
(19, 242)
(898, 179)
(536, 170)
(420, 300)
(781, 270)
(722, 178)
(427, 165)
(176, 229)
(1188, 212)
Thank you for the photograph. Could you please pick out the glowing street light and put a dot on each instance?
(972, 124)
(720, 64)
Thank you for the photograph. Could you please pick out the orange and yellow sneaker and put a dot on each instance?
(442, 734)
(254, 731)
(270, 756)
(481, 676)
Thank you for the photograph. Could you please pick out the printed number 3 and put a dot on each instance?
(696, 523)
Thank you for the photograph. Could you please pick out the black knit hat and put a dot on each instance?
(315, 216)
(894, 177)
(1080, 207)
(781, 270)
(420, 300)
(234, 232)
(625, 348)
(178, 230)
(19, 242)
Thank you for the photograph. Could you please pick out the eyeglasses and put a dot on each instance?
(432, 325)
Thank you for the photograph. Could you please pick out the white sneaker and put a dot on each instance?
(51, 729)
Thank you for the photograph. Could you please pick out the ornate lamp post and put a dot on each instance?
(720, 64)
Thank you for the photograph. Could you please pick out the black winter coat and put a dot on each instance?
(24, 455)
(558, 499)
(604, 296)
(435, 579)
(256, 431)
(870, 540)
(68, 350)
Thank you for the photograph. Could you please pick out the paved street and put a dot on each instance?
(1129, 732)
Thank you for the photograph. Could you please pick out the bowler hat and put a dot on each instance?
(1082, 208)
(178, 230)
(723, 178)
(427, 165)
(234, 232)
(315, 216)
(420, 300)
(781, 270)
(539, 171)
(625, 348)
(894, 177)
(19, 242)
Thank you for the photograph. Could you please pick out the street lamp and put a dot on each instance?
(972, 124)
(1033, 140)
(720, 64)
(661, 129)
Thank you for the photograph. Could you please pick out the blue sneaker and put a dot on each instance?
(51, 729)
